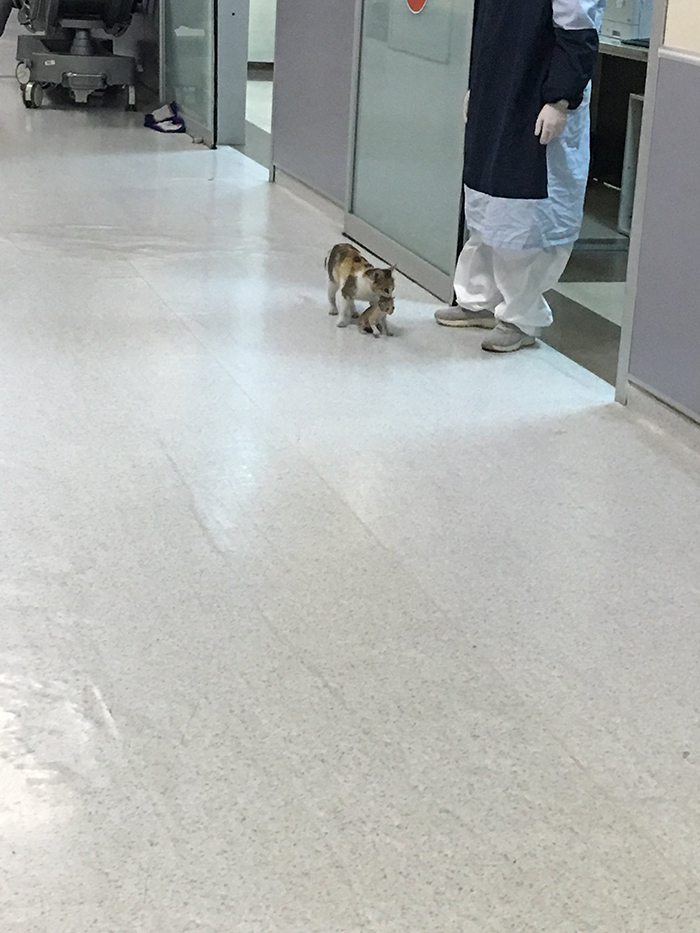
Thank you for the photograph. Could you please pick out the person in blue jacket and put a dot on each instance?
(527, 158)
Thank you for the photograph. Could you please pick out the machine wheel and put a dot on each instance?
(23, 73)
(131, 98)
(33, 95)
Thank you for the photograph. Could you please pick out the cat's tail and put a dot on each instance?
(330, 261)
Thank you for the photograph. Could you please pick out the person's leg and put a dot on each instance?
(522, 277)
(475, 288)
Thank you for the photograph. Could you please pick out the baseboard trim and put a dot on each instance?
(328, 207)
(665, 413)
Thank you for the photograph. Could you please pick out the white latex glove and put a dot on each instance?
(551, 121)
(466, 106)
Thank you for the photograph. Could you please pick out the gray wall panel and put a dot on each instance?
(313, 88)
(666, 332)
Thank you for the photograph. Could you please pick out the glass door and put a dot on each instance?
(188, 63)
(406, 176)
(204, 66)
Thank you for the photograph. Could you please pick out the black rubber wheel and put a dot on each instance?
(33, 95)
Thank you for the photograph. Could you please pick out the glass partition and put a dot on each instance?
(189, 62)
(406, 181)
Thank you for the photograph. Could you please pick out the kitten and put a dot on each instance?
(356, 279)
(374, 320)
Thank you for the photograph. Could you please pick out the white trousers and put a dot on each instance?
(510, 282)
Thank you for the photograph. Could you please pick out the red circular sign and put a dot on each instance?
(416, 6)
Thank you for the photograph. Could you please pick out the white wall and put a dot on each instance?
(683, 26)
(262, 30)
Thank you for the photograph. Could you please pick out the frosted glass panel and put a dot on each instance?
(189, 74)
(410, 127)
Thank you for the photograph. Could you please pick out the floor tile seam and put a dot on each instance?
(688, 878)
(360, 722)
(183, 319)
(364, 726)
(83, 635)
(613, 802)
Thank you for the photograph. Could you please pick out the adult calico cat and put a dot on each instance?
(353, 278)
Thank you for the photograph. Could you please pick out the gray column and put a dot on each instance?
(313, 88)
(665, 351)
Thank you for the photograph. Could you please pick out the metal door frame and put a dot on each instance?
(231, 70)
(635, 249)
(411, 265)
